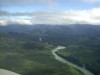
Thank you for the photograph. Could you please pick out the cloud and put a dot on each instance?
(17, 21)
(3, 22)
(91, 1)
(91, 16)
(49, 3)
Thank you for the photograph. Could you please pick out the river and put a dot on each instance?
(57, 57)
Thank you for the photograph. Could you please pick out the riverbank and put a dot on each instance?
(57, 57)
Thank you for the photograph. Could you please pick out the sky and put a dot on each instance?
(30, 12)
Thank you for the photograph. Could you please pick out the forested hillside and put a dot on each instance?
(22, 44)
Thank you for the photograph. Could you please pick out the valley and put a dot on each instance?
(22, 51)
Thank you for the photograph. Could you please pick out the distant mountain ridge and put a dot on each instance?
(57, 34)
(79, 29)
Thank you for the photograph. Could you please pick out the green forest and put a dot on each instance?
(22, 51)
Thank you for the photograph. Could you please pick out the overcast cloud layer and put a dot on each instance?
(68, 16)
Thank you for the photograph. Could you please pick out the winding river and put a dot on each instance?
(57, 57)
